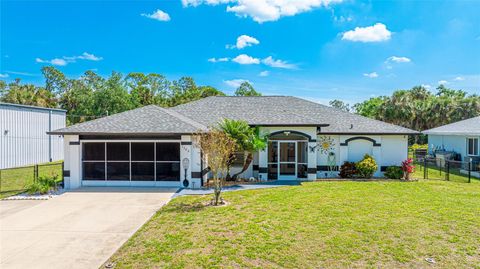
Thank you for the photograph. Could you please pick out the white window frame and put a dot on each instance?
(468, 146)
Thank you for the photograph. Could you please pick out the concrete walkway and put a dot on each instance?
(252, 186)
(80, 229)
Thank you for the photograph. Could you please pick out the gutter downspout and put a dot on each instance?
(50, 136)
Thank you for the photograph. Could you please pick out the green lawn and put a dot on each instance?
(381, 224)
(15, 180)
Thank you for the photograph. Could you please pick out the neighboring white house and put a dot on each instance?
(153, 146)
(462, 137)
(23, 135)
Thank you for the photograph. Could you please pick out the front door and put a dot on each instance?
(287, 162)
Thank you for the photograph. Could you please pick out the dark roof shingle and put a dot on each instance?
(284, 110)
(262, 111)
(145, 120)
(465, 127)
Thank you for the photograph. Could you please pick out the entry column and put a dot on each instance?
(186, 157)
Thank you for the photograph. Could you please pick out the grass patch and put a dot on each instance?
(15, 180)
(315, 225)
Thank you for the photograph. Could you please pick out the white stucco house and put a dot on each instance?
(462, 137)
(154, 146)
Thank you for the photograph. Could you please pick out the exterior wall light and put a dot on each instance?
(185, 164)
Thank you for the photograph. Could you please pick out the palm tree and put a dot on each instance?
(248, 139)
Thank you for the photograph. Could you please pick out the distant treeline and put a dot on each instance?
(92, 96)
(418, 108)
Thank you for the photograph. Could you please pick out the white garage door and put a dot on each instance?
(358, 148)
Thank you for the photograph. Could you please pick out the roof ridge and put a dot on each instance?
(184, 118)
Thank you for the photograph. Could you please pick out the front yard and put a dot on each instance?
(316, 225)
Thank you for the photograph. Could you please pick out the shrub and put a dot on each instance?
(43, 185)
(418, 146)
(348, 170)
(394, 172)
(367, 167)
(408, 168)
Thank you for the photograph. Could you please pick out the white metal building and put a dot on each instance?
(23, 135)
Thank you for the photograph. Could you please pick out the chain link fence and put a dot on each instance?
(16, 180)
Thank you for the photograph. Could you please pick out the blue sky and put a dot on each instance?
(316, 49)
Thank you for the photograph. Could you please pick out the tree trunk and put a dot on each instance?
(247, 163)
(217, 191)
(228, 177)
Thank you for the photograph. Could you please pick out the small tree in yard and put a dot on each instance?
(217, 148)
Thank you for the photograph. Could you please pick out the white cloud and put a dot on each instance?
(70, 59)
(371, 75)
(459, 79)
(158, 15)
(375, 33)
(245, 59)
(3, 75)
(278, 63)
(90, 57)
(442, 82)
(427, 86)
(217, 60)
(244, 41)
(235, 83)
(265, 10)
(264, 74)
(56, 61)
(397, 59)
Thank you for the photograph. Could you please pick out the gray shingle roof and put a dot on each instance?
(284, 110)
(263, 111)
(145, 120)
(464, 127)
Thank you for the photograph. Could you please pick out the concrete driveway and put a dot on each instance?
(80, 229)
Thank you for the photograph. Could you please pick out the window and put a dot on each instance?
(302, 159)
(131, 161)
(118, 161)
(272, 171)
(472, 146)
(168, 152)
(143, 161)
(168, 162)
(93, 161)
(168, 171)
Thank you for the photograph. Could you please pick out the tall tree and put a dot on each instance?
(338, 104)
(112, 97)
(246, 89)
(147, 89)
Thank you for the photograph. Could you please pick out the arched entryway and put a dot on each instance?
(288, 155)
